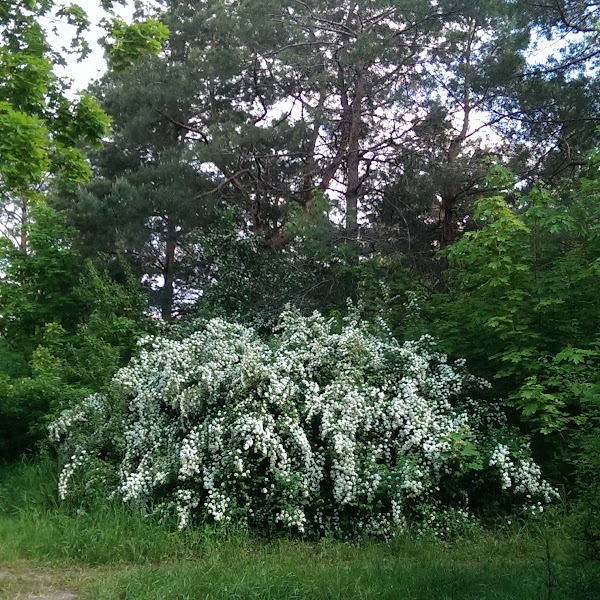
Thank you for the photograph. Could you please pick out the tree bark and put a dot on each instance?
(353, 159)
(167, 292)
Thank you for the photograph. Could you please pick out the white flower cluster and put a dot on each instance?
(80, 430)
(69, 419)
(320, 427)
(524, 476)
(76, 461)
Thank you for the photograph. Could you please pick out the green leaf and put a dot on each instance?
(128, 43)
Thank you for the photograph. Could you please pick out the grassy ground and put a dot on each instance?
(111, 554)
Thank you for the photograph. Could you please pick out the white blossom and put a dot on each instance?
(320, 427)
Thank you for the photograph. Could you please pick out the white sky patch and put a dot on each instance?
(82, 72)
(541, 49)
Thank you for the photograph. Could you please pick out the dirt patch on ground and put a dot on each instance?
(54, 596)
(36, 585)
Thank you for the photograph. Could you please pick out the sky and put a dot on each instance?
(82, 73)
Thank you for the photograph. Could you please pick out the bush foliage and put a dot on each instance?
(326, 427)
(65, 328)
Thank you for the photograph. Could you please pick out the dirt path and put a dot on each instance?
(54, 596)
(17, 584)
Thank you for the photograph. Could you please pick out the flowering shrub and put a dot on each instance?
(321, 428)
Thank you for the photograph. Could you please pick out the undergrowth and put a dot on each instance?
(131, 557)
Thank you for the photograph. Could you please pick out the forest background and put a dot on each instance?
(435, 162)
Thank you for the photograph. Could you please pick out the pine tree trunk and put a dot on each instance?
(166, 304)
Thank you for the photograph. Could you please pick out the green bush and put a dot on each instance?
(321, 428)
(65, 328)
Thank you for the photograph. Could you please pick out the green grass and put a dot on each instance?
(489, 568)
(109, 553)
